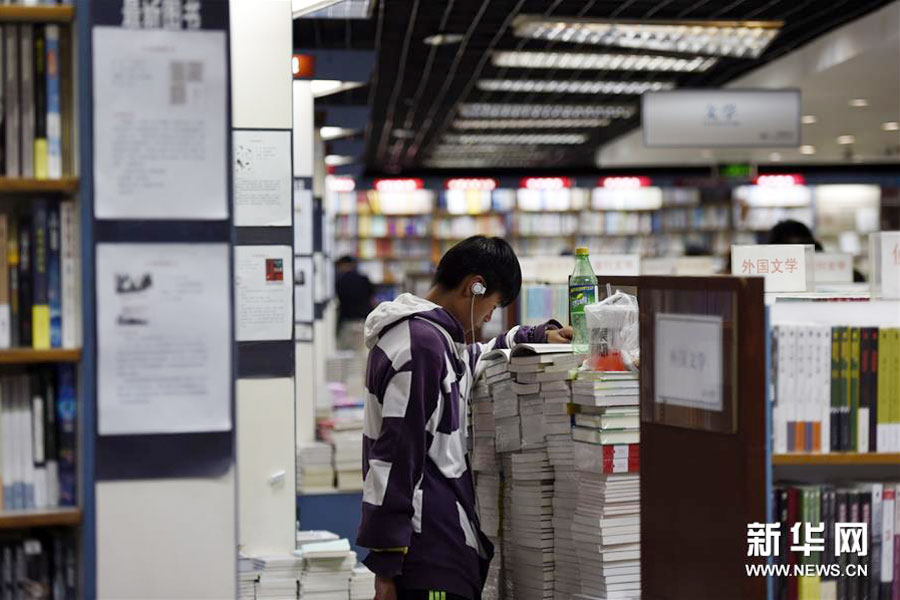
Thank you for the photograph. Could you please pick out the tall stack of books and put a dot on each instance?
(837, 389)
(362, 583)
(507, 424)
(531, 525)
(486, 465)
(279, 578)
(315, 471)
(249, 570)
(327, 569)
(871, 503)
(606, 524)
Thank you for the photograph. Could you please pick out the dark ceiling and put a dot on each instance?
(417, 87)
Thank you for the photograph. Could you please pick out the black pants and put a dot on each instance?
(426, 595)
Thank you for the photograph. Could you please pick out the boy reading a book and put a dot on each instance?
(418, 513)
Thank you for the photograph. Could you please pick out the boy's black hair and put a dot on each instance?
(492, 258)
(345, 260)
(790, 231)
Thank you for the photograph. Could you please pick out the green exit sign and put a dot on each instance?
(736, 170)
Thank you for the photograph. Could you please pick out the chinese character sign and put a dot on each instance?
(763, 539)
(786, 268)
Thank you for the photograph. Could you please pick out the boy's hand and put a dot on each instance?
(385, 589)
(560, 336)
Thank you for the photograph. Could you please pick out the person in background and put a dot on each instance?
(419, 517)
(356, 298)
(795, 232)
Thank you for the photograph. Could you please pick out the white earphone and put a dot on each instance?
(478, 289)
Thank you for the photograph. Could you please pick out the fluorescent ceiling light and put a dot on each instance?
(517, 138)
(845, 139)
(443, 39)
(573, 86)
(809, 119)
(602, 62)
(334, 9)
(775, 157)
(333, 133)
(335, 160)
(859, 103)
(544, 111)
(326, 87)
(300, 8)
(529, 123)
(891, 126)
(807, 149)
(720, 38)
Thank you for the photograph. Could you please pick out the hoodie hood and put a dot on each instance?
(403, 307)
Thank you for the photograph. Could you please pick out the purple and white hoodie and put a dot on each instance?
(418, 512)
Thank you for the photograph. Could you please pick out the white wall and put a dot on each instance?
(166, 538)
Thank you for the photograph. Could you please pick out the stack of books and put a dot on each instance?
(280, 577)
(505, 402)
(531, 525)
(486, 465)
(315, 471)
(606, 523)
(347, 368)
(348, 458)
(507, 561)
(249, 570)
(362, 583)
(327, 569)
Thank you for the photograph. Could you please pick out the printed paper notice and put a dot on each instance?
(303, 219)
(263, 293)
(164, 338)
(688, 361)
(160, 124)
(262, 178)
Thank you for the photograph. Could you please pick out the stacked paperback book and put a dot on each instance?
(362, 583)
(606, 523)
(327, 568)
(249, 570)
(279, 577)
(531, 525)
(315, 471)
(345, 432)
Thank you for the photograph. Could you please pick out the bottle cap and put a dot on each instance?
(581, 251)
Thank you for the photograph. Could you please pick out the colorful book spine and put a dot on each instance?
(67, 435)
(40, 304)
(54, 114)
(11, 104)
(40, 104)
(12, 260)
(5, 334)
(836, 402)
(54, 276)
(853, 389)
(69, 276)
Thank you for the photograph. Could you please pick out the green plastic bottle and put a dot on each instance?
(582, 291)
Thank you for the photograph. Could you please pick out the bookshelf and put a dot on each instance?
(14, 185)
(37, 14)
(838, 459)
(57, 517)
(29, 356)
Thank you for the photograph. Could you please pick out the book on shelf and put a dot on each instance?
(825, 506)
(31, 105)
(39, 295)
(38, 430)
(836, 389)
(39, 566)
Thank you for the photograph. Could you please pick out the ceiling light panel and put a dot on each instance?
(544, 111)
(742, 39)
(602, 62)
(343, 9)
(517, 139)
(530, 123)
(573, 86)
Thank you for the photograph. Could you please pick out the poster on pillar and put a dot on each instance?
(163, 338)
(160, 101)
(262, 178)
(263, 293)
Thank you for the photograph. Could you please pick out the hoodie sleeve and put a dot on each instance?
(520, 334)
(403, 386)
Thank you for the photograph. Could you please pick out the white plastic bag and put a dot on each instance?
(614, 333)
